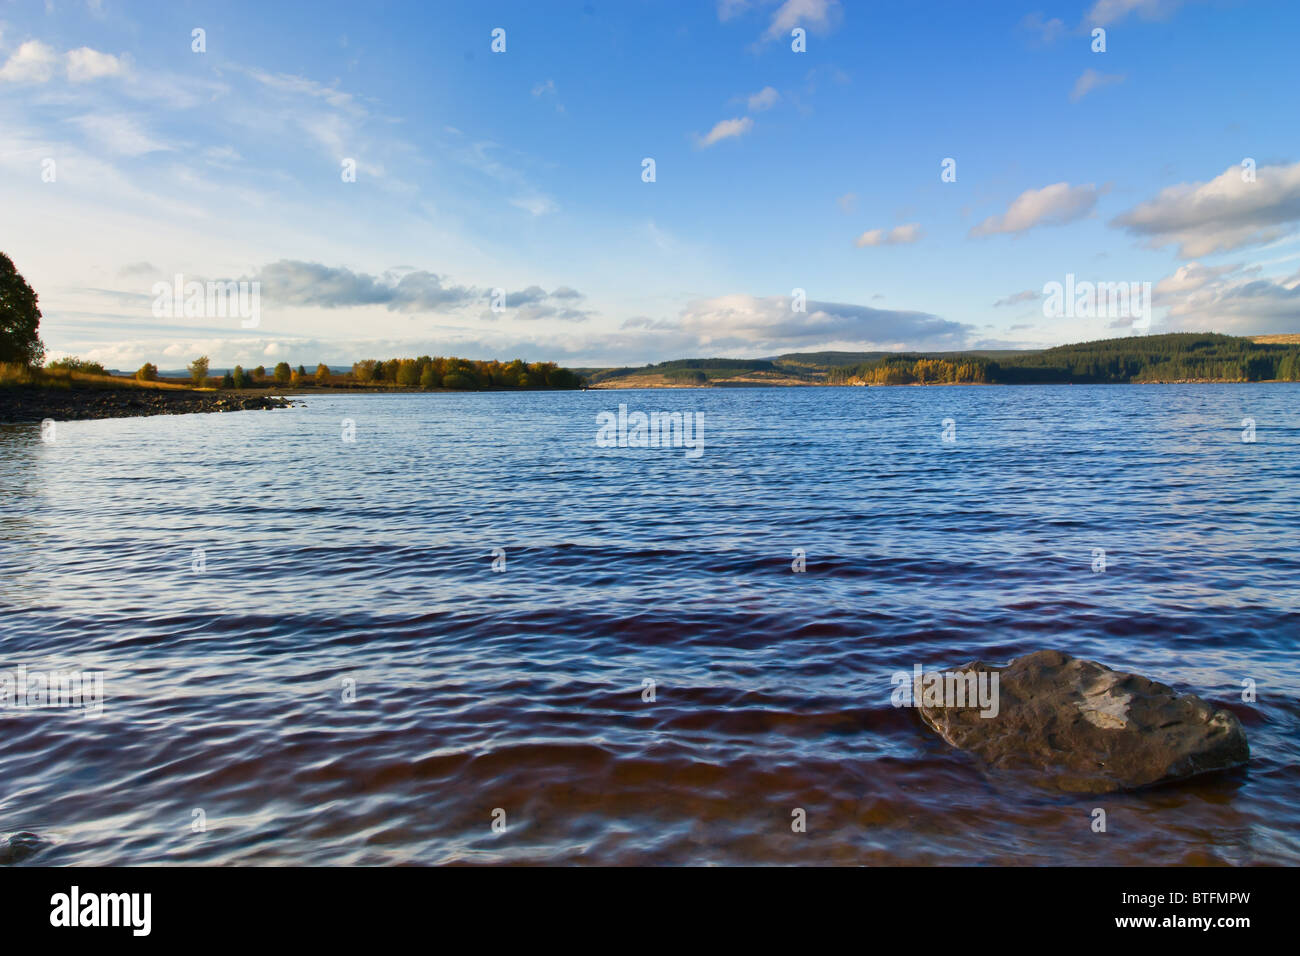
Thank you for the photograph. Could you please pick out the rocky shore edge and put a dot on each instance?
(24, 405)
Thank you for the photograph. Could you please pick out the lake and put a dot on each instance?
(473, 634)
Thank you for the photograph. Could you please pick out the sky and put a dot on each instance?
(501, 204)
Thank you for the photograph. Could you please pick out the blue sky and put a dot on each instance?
(775, 170)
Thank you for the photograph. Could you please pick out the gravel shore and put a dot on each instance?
(26, 404)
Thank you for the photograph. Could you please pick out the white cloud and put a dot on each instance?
(1106, 12)
(767, 324)
(1222, 214)
(1052, 205)
(1237, 305)
(1091, 80)
(85, 64)
(764, 99)
(36, 62)
(727, 129)
(898, 236)
(819, 16)
(33, 62)
(1191, 277)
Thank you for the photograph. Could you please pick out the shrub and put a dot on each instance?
(148, 372)
(74, 364)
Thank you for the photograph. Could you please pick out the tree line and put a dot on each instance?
(1175, 357)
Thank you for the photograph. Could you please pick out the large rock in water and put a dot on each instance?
(1084, 728)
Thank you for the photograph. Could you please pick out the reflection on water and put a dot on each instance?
(332, 568)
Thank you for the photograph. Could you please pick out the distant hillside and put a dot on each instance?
(1177, 357)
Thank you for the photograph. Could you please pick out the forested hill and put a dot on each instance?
(1176, 357)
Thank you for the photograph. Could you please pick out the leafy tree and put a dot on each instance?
(148, 372)
(259, 372)
(228, 381)
(408, 373)
(429, 378)
(322, 373)
(283, 373)
(19, 318)
(199, 370)
(237, 377)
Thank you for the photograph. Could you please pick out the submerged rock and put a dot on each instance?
(15, 847)
(1083, 727)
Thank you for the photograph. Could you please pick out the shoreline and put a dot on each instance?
(22, 405)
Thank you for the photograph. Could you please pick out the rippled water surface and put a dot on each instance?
(330, 565)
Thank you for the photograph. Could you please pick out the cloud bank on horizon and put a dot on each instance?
(627, 184)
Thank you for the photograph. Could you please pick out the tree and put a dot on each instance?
(19, 318)
(199, 369)
(148, 372)
(238, 376)
(227, 381)
(322, 373)
(408, 373)
(283, 373)
(259, 372)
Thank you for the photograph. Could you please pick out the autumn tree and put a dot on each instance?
(19, 318)
(199, 370)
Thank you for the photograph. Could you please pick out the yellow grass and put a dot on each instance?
(14, 373)
(1289, 338)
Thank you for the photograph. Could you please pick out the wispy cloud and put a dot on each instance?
(119, 134)
(1091, 80)
(1105, 12)
(898, 236)
(1044, 31)
(764, 99)
(1029, 295)
(727, 129)
(1052, 205)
